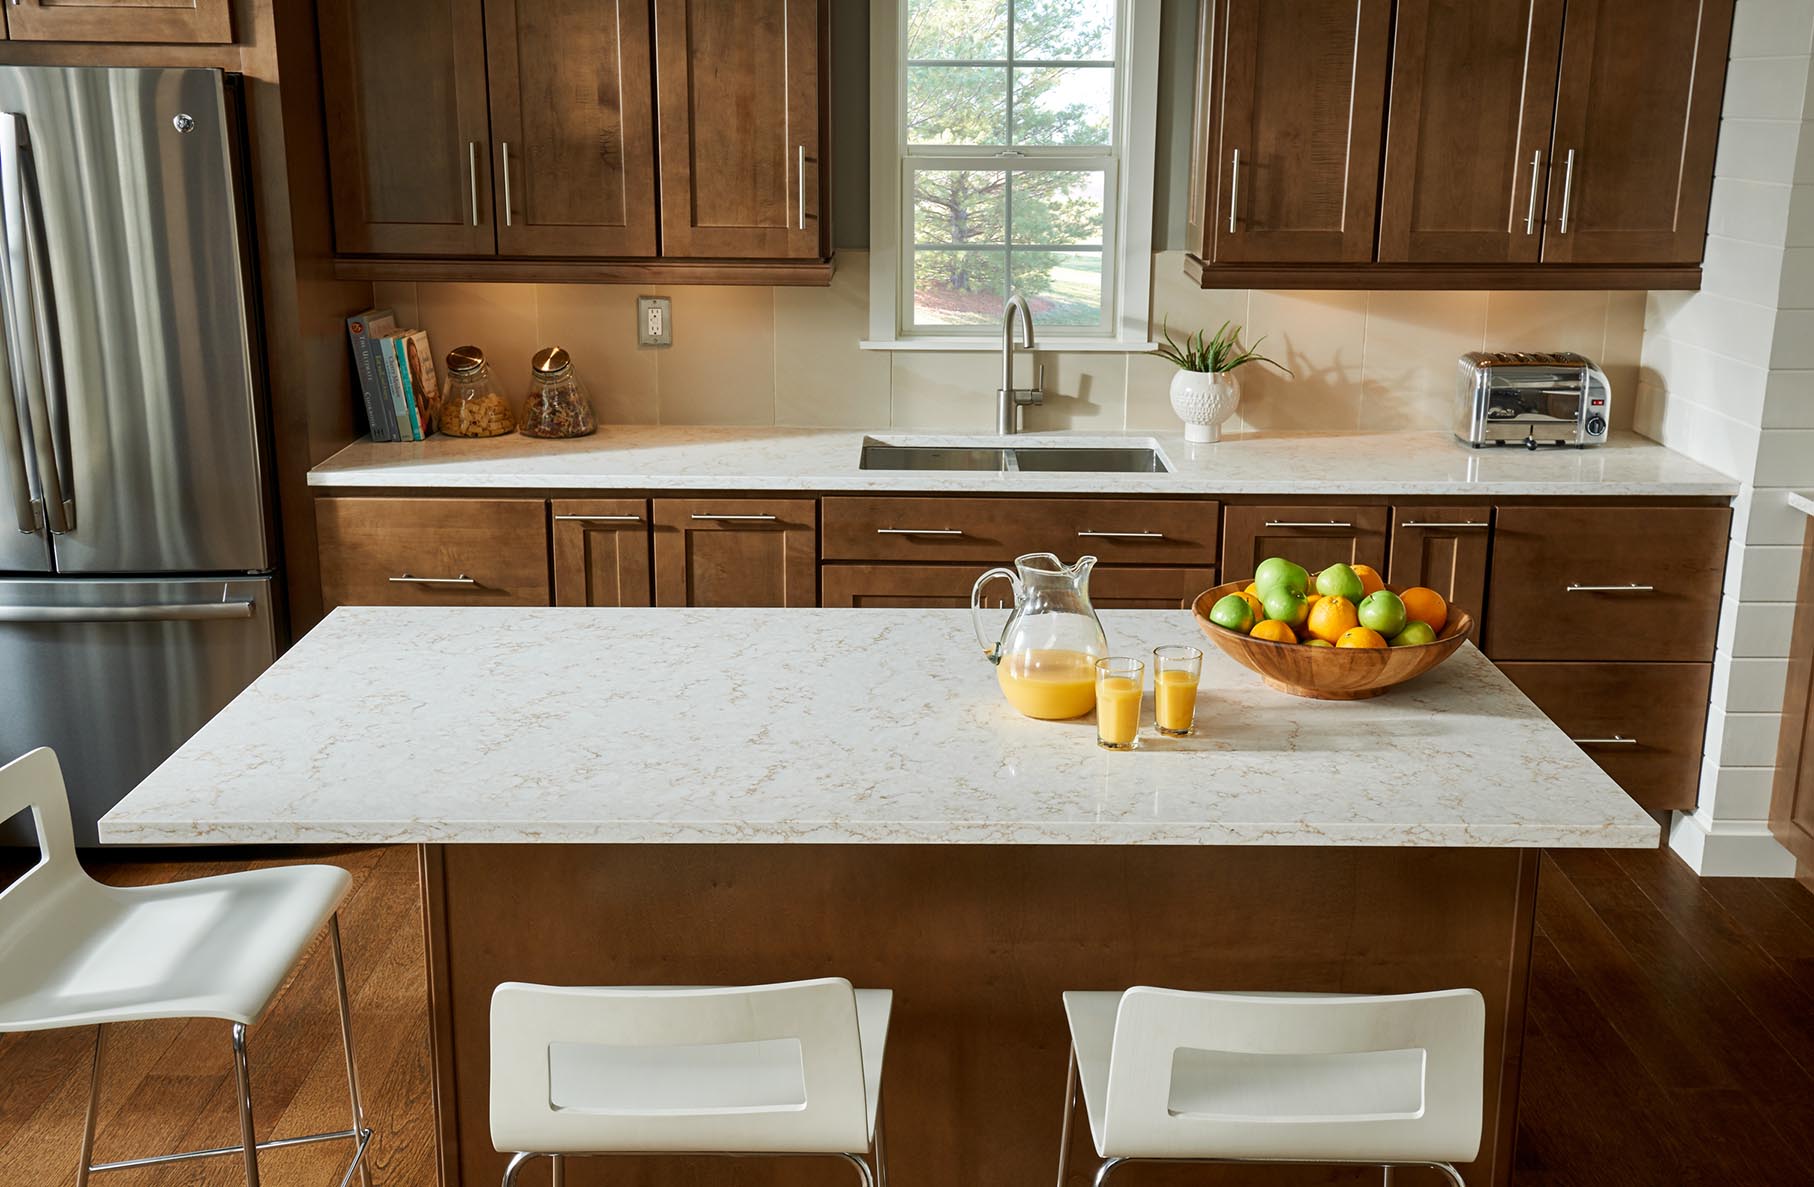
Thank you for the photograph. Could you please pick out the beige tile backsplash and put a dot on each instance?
(789, 356)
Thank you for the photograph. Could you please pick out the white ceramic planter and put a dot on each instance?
(1203, 401)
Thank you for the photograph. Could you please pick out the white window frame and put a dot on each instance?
(1127, 193)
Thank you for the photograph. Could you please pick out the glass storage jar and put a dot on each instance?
(557, 405)
(473, 405)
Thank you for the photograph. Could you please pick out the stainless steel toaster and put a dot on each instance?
(1513, 398)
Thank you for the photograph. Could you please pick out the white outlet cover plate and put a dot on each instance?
(654, 321)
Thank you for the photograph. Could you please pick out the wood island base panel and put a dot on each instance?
(977, 943)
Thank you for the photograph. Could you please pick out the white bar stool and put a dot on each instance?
(1169, 1076)
(74, 952)
(794, 1068)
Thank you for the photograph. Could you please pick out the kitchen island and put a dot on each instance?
(711, 796)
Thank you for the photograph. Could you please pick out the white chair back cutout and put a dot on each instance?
(755, 1069)
(1224, 1075)
(34, 781)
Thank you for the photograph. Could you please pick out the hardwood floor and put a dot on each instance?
(1670, 1041)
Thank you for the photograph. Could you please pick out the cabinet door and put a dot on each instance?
(1303, 93)
(1473, 92)
(432, 552)
(739, 107)
(193, 22)
(1637, 121)
(573, 134)
(408, 139)
(1444, 549)
(1312, 536)
(948, 586)
(601, 552)
(735, 552)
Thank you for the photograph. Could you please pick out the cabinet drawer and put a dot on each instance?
(1313, 536)
(432, 552)
(934, 586)
(1643, 723)
(1610, 583)
(995, 531)
(1444, 549)
(735, 552)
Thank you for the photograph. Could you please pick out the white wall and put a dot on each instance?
(1728, 378)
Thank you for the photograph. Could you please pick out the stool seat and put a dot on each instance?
(214, 947)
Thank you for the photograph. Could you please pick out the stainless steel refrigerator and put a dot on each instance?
(136, 547)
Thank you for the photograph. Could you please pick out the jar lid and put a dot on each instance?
(551, 361)
(464, 360)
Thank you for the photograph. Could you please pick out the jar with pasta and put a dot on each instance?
(473, 406)
(557, 405)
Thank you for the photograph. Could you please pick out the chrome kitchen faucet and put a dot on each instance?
(1007, 419)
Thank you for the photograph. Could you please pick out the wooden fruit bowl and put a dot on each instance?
(1330, 673)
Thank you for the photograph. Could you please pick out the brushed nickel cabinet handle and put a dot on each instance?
(740, 518)
(1632, 588)
(598, 519)
(409, 579)
(1530, 214)
(1615, 740)
(506, 145)
(919, 531)
(1123, 535)
(1314, 523)
(800, 184)
(1568, 185)
(1437, 523)
(472, 177)
(1234, 189)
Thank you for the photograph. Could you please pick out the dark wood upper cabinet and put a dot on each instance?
(1468, 130)
(573, 142)
(188, 22)
(1637, 122)
(738, 98)
(1297, 129)
(408, 137)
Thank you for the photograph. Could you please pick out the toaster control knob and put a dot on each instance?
(1596, 425)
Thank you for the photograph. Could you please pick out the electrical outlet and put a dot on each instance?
(654, 321)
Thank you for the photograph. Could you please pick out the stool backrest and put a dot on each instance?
(1226, 1075)
(762, 1068)
(35, 781)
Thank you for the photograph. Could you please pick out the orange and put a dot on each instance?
(1252, 590)
(1332, 617)
(1369, 579)
(1360, 636)
(1310, 601)
(1253, 602)
(1423, 604)
(1274, 630)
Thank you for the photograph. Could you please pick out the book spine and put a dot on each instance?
(427, 380)
(368, 378)
(378, 323)
(407, 382)
(393, 385)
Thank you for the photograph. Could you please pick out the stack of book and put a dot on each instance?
(397, 376)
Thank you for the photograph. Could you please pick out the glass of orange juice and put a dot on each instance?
(1176, 672)
(1120, 682)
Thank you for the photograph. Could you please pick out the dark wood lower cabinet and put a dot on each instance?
(736, 552)
(1643, 723)
(898, 586)
(432, 552)
(1313, 536)
(601, 552)
(1444, 549)
(1792, 796)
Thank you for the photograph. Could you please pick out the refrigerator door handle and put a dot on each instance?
(29, 512)
(34, 313)
(166, 612)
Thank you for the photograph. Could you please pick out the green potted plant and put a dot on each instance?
(1205, 390)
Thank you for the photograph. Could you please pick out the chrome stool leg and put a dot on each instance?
(557, 1170)
(879, 1155)
(248, 1140)
(1102, 1172)
(1453, 1174)
(1070, 1111)
(346, 1042)
(864, 1174)
(84, 1168)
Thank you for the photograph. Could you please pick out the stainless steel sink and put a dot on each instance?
(1075, 459)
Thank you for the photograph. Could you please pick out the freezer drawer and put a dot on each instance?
(115, 674)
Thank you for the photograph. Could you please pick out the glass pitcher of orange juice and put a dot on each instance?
(1046, 657)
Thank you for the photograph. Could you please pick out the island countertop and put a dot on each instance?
(835, 726)
(640, 457)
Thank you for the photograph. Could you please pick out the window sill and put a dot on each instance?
(993, 345)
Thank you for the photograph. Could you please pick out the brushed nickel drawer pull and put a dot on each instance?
(1124, 535)
(506, 183)
(800, 185)
(472, 177)
(1530, 213)
(1615, 740)
(598, 519)
(1633, 588)
(740, 518)
(1296, 523)
(407, 579)
(1433, 523)
(919, 531)
(1234, 189)
(1568, 187)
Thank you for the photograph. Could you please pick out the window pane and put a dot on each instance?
(1063, 104)
(965, 30)
(959, 206)
(1063, 288)
(1061, 207)
(1064, 29)
(957, 105)
(959, 288)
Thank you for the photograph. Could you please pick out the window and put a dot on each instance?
(1012, 152)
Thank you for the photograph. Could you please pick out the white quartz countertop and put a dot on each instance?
(835, 726)
(680, 458)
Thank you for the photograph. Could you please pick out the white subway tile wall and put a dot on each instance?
(1727, 377)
